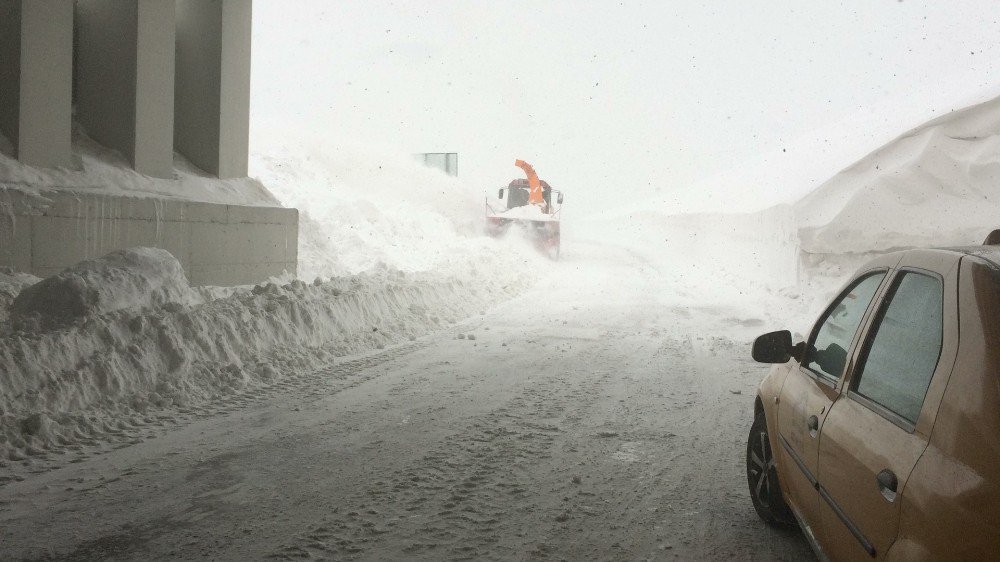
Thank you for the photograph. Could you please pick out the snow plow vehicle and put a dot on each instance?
(528, 204)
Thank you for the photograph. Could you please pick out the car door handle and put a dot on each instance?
(813, 425)
(887, 483)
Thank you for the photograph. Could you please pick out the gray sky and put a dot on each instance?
(691, 105)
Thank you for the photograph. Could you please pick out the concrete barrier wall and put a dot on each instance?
(216, 244)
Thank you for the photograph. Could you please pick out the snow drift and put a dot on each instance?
(360, 207)
(396, 250)
(11, 284)
(135, 277)
(936, 185)
(124, 359)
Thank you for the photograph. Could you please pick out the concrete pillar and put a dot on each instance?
(125, 79)
(10, 70)
(212, 97)
(36, 60)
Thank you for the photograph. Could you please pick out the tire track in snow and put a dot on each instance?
(458, 500)
(312, 383)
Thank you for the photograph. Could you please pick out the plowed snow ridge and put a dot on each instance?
(75, 382)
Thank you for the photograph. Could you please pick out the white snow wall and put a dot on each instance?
(935, 185)
(216, 244)
(73, 382)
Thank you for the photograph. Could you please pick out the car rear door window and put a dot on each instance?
(900, 359)
(828, 353)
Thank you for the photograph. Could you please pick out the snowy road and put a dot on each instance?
(586, 420)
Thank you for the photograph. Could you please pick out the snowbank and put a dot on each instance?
(119, 362)
(11, 284)
(361, 207)
(104, 171)
(396, 249)
(130, 278)
(933, 186)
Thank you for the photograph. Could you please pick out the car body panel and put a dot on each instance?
(948, 462)
(951, 505)
(860, 439)
(856, 445)
(804, 394)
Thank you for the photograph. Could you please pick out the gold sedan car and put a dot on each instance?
(880, 435)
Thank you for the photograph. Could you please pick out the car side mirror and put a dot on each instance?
(559, 199)
(500, 194)
(775, 347)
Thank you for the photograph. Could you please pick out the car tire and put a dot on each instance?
(762, 477)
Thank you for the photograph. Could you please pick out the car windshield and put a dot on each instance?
(517, 197)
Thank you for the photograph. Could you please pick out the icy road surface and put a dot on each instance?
(585, 420)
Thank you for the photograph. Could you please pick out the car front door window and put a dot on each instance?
(827, 355)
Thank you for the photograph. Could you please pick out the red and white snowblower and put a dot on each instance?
(529, 205)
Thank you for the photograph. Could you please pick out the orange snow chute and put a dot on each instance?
(534, 186)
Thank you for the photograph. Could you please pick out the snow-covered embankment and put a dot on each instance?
(934, 186)
(123, 339)
(114, 340)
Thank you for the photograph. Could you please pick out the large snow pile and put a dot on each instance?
(98, 169)
(933, 186)
(11, 284)
(72, 382)
(360, 207)
(396, 250)
(134, 277)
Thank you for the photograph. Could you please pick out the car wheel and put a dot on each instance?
(762, 476)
